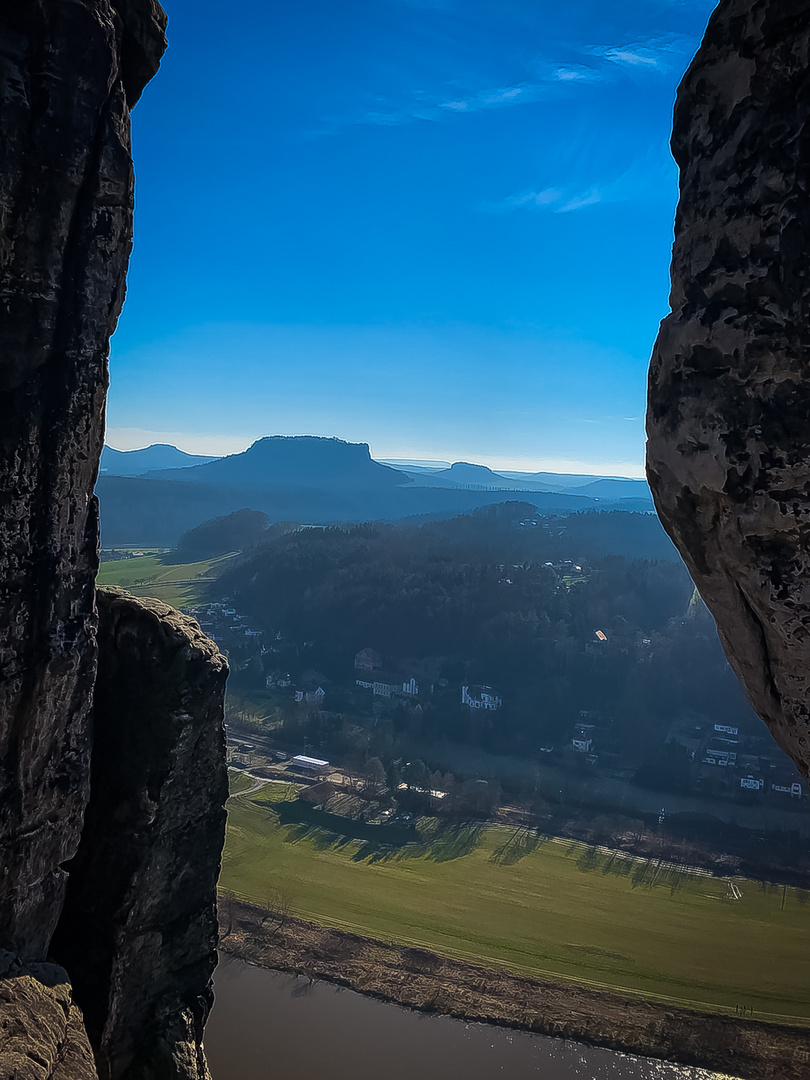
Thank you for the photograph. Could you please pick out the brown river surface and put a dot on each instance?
(270, 1026)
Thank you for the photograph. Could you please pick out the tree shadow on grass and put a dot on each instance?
(673, 879)
(517, 846)
(320, 839)
(617, 865)
(644, 874)
(641, 872)
(439, 842)
(302, 821)
(589, 859)
(453, 841)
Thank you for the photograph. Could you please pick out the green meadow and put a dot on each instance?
(535, 905)
(162, 577)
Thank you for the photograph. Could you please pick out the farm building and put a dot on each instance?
(318, 794)
(311, 765)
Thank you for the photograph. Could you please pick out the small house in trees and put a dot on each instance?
(368, 660)
(481, 697)
(752, 783)
(583, 738)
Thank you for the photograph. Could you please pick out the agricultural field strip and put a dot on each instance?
(550, 973)
(445, 940)
(150, 570)
(148, 575)
(553, 976)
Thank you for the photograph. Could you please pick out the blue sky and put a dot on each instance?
(438, 226)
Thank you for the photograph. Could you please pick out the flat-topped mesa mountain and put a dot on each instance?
(729, 391)
(300, 461)
(464, 474)
(70, 73)
(140, 462)
(311, 479)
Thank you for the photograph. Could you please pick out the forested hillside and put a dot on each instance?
(500, 598)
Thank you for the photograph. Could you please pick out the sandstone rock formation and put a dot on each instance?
(42, 1036)
(69, 74)
(138, 932)
(729, 393)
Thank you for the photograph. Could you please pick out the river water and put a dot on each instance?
(270, 1026)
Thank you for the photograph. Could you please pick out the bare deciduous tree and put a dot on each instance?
(227, 904)
(276, 910)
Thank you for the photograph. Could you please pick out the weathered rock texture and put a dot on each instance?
(138, 932)
(729, 395)
(68, 75)
(41, 1035)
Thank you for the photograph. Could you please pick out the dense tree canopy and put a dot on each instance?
(499, 597)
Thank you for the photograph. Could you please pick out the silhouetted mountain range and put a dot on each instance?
(310, 479)
(139, 462)
(301, 461)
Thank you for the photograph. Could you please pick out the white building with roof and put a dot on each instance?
(481, 697)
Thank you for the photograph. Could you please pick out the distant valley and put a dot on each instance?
(154, 495)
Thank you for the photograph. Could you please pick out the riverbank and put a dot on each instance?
(423, 980)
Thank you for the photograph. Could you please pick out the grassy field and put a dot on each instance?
(178, 584)
(237, 782)
(540, 907)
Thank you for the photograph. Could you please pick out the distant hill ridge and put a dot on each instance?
(311, 479)
(284, 461)
(293, 459)
(140, 462)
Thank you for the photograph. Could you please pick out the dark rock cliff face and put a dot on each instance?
(69, 74)
(729, 395)
(138, 932)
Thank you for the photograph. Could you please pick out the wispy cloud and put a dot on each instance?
(648, 54)
(547, 78)
(395, 118)
(554, 200)
(608, 419)
(577, 73)
(649, 176)
(495, 98)
(437, 107)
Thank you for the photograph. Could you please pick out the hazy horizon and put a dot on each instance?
(221, 446)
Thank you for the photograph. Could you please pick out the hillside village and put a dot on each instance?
(717, 759)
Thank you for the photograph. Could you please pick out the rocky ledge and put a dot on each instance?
(729, 390)
(138, 932)
(42, 1036)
